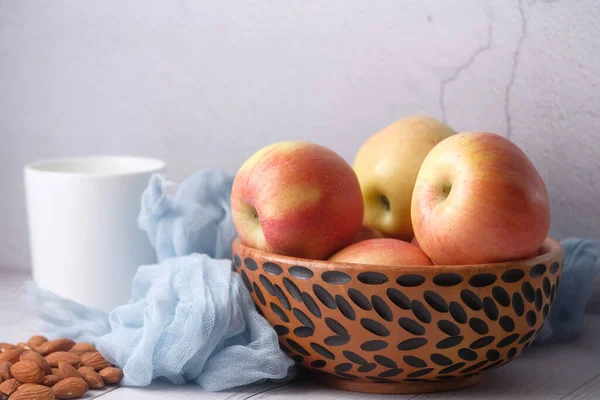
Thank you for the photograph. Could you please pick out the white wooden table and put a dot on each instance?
(565, 371)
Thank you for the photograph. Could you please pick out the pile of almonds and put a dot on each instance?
(57, 369)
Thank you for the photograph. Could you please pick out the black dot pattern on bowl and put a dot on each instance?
(367, 367)
(527, 336)
(417, 380)
(493, 365)
(347, 375)
(420, 311)
(412, 344)
(501, 296)
(444, 377)
(359, 299)
(545, 310)
(557, 282)
(311, 305)
(292, 289)
(246, 281)
(537, 270)
(398, 298)
(482, 342)
(474, 367)
(513, 275)
(449, 342)
(282, 297)
(467, 354)
(512, 352)
(518, 305)
(479, 326)
(372, 278)
(435, 301)
(298, 358)
(279, 312)
(448, 328)
(237, 261)
(303, 318)
(552, 294)
(507, 341)
(410, 280)
(336, 340)
(447, 279)
(538, 299)
(297, 348)
(353, 357)
(250, 264)
(554, 267)
(281, 330)
(411, 326)
(458, 312)
(382, 308)
(490, 308)
(322, 351)
(452, 368)
(528, 292)
(345, 307)
(374, 345)
(440, 359)
(318, 363)
(300, 272)
(344, 367)
(531, 318)
(546, 287)
(471, 300)
(272, 268)
(324, 297)
(374, 327)
(390, 373)
(386, 362)
(335, 326)
(335, 277)
(507, 323)
(419, 373)
(482, 280)
(414, 361)
(492, 355)
(259, 294)
(304, 331)
(266, 283)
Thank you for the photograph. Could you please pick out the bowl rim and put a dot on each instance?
(553, 251)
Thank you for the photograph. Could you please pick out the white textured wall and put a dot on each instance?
(208, 84)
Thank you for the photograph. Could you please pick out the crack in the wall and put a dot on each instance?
(476, 53)
(513, 72)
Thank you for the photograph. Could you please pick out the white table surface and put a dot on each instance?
(564, 371)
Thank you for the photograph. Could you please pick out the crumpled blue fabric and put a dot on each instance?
(190, 318)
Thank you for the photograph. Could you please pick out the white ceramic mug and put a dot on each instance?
(84, 239)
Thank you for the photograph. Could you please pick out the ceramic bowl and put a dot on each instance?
(401, 329)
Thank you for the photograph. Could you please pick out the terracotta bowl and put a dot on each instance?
(403, 329)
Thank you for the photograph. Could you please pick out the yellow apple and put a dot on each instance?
(387, 166)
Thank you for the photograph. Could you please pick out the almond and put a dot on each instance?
(70, 388)
(27, 371)
(6, 346)
(38, 359)
(36, 341)
(91, 377)
(55, 345)
(9, 386)
(11, 355)
(1, 379)
(94, 360)
(82, 347)
(64, 356)
(5, 370)
(30, 391)
(56, 371)
(51, 380)
(111, 375)
(67, 370)
(24, 345)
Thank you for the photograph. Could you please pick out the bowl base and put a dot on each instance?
(397, 388)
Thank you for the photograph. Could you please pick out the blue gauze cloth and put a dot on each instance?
(190, 318)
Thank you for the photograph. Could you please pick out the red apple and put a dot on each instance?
(383, 251)
(297, 199)
(366, 233)
(479, 199)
